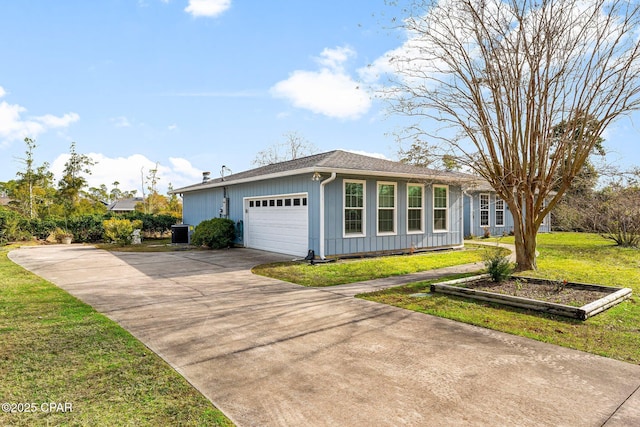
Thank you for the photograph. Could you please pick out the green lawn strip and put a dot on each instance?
(148, 245)
(356, 270)
(575, 257)
(55, 348)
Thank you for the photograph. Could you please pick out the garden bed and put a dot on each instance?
(576, 300)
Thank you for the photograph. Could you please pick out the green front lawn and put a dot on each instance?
(357, 270)
(575, 257)
(148, 245)
(56, 349)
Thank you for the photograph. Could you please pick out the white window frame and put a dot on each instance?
(364, 207)
(421, 208)
(446, 209)
(394, 209)
(499, 207)
(484, 209)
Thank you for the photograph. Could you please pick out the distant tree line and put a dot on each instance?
(612, 210)
(37, 206)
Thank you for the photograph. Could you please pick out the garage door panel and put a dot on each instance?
(280, 228)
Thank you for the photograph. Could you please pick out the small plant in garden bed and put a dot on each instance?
(498, 265)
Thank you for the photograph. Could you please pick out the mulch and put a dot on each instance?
(555, 292)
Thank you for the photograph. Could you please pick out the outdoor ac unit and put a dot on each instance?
(181, 233)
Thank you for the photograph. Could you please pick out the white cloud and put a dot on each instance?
(120, 122)
(14, 127)
(129, 171)
(184, 167)
(49, 120)
(366, 153)
(329, 91)
(207, 8)
(335, 58)
(172, 127)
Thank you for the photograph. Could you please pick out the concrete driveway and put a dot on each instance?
(271, 353)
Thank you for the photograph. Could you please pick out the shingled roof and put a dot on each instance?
(333, 161)
(125, 205)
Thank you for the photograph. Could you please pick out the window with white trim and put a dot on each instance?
(440, 208)
(415, 208)
(354, 213)
(386, 208)
(484, 210)
(499, 212)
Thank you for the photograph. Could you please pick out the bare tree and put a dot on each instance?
(293, 147)
(619, 215)
(497, 76)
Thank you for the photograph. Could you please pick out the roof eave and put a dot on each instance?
(321, 169)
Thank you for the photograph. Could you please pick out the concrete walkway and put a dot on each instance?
(269, 353)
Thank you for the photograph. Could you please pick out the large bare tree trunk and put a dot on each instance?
(525, 241)
(525, 228)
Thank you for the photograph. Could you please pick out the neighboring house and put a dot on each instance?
(124, 205)
(484, 210)
(336, 204)
(4, 201)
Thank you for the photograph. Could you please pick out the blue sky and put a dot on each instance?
(196, 84)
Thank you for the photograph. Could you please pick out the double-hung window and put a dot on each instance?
(440, 208)
(354, 203)
(415, 207)
(386, 208)
(499, 213)
(484, 210)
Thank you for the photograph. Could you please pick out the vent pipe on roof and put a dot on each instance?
(206, 176)
(222, 170)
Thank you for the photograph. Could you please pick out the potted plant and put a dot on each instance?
(62, 236)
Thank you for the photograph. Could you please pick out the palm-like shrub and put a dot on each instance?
(498, 266)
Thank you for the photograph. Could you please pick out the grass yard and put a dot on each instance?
(575, 257)
(356, 270)
(148, 245)
(56, 349)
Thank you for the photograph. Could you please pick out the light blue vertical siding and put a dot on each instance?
(472, 221)
(206, 204)
(201, 205)
(336, 244)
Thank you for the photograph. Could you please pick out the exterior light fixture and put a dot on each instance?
(316, 176)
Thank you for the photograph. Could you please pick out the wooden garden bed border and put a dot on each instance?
(615, 296)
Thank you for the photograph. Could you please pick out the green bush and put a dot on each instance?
(216, 233)
(43, 228)
(154, 224)
(86, 228)
(497, 265)
(120, 230)
(13, 226)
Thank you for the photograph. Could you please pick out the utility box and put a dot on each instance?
(181, 233)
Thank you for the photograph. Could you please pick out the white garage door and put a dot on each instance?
(277, 224)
